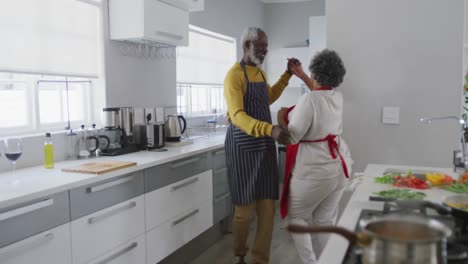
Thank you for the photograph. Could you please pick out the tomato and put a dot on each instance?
(411, 182)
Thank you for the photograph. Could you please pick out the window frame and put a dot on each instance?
(33, 110)
(189, 113)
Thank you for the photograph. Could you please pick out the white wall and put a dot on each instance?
(399, 53)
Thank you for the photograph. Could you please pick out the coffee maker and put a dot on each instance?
(119, 129)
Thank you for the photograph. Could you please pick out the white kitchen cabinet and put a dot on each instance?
(173, 234)
(51, 247)
(134, 252)
(168, 202)
(150, 21)
(196, 5)
(95, 234)
(317, 35)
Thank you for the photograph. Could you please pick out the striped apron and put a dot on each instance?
(252, 168)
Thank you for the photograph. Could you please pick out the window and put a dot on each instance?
(199, 99)
(201, 69)
(32, 103)
(49, 63)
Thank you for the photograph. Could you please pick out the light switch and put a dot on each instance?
(391, 115)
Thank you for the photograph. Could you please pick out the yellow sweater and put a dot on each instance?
(234, 91)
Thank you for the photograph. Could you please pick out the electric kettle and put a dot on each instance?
(174, 128)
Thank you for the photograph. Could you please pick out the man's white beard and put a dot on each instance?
(252, 57)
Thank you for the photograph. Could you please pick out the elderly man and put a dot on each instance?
(250, 145)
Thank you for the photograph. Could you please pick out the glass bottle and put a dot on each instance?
(48, 152)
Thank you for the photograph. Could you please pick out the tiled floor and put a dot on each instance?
(282, 248)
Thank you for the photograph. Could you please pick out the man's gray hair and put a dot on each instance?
(250, 34)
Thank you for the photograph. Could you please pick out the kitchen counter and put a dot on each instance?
(35, 182)
(337, 245)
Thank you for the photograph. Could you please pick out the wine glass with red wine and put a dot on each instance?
(13, 150)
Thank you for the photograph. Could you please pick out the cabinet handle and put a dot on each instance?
(183, 218)
(185, 162)
(98, 218)
(26, 209)
(117, 254)
(169, 35)
(220, 170)
(222, 197)
(107, 185)
(21, 247)
(220, 152)
(185, 184)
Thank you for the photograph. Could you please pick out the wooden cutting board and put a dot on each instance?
(100, 167)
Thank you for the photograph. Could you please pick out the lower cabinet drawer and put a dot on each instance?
(168, 237)
(100, 232)
(132, 252)
(33, 217)
(167, 202)
(51, 247)
(222, 207)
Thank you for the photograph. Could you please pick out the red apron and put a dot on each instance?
(291, 153)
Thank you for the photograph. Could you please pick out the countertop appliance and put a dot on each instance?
(174, 127)
(119, 129)
(149, 136)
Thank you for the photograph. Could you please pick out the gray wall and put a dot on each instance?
(230, 17)
(399, 53)
(287, 24)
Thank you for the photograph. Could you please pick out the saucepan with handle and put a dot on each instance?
(394, 239)
(459, 206)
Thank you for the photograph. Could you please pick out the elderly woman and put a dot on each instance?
(316, 170)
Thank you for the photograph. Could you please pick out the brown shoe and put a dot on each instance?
(239, 260)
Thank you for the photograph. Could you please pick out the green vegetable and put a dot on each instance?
(386, 179)
(403, 194)
(458, 188)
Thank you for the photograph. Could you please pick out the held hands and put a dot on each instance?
(291, 63)
(280, 134)
(298, 71)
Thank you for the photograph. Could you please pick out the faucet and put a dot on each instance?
(457, 163)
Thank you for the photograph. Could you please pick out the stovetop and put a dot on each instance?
(458, 252)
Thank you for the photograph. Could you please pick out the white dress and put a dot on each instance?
(318, 180)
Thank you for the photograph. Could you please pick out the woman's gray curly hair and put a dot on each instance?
(328, 68)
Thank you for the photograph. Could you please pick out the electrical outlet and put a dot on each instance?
(139, 116)
(150, 111)
(391, 115)
(159, 115)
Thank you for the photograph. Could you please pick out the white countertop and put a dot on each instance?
(337, 245)
(35, 182)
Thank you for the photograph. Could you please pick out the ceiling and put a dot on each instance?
(283, 1)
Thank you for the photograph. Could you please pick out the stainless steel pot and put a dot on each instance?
(394, 239)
